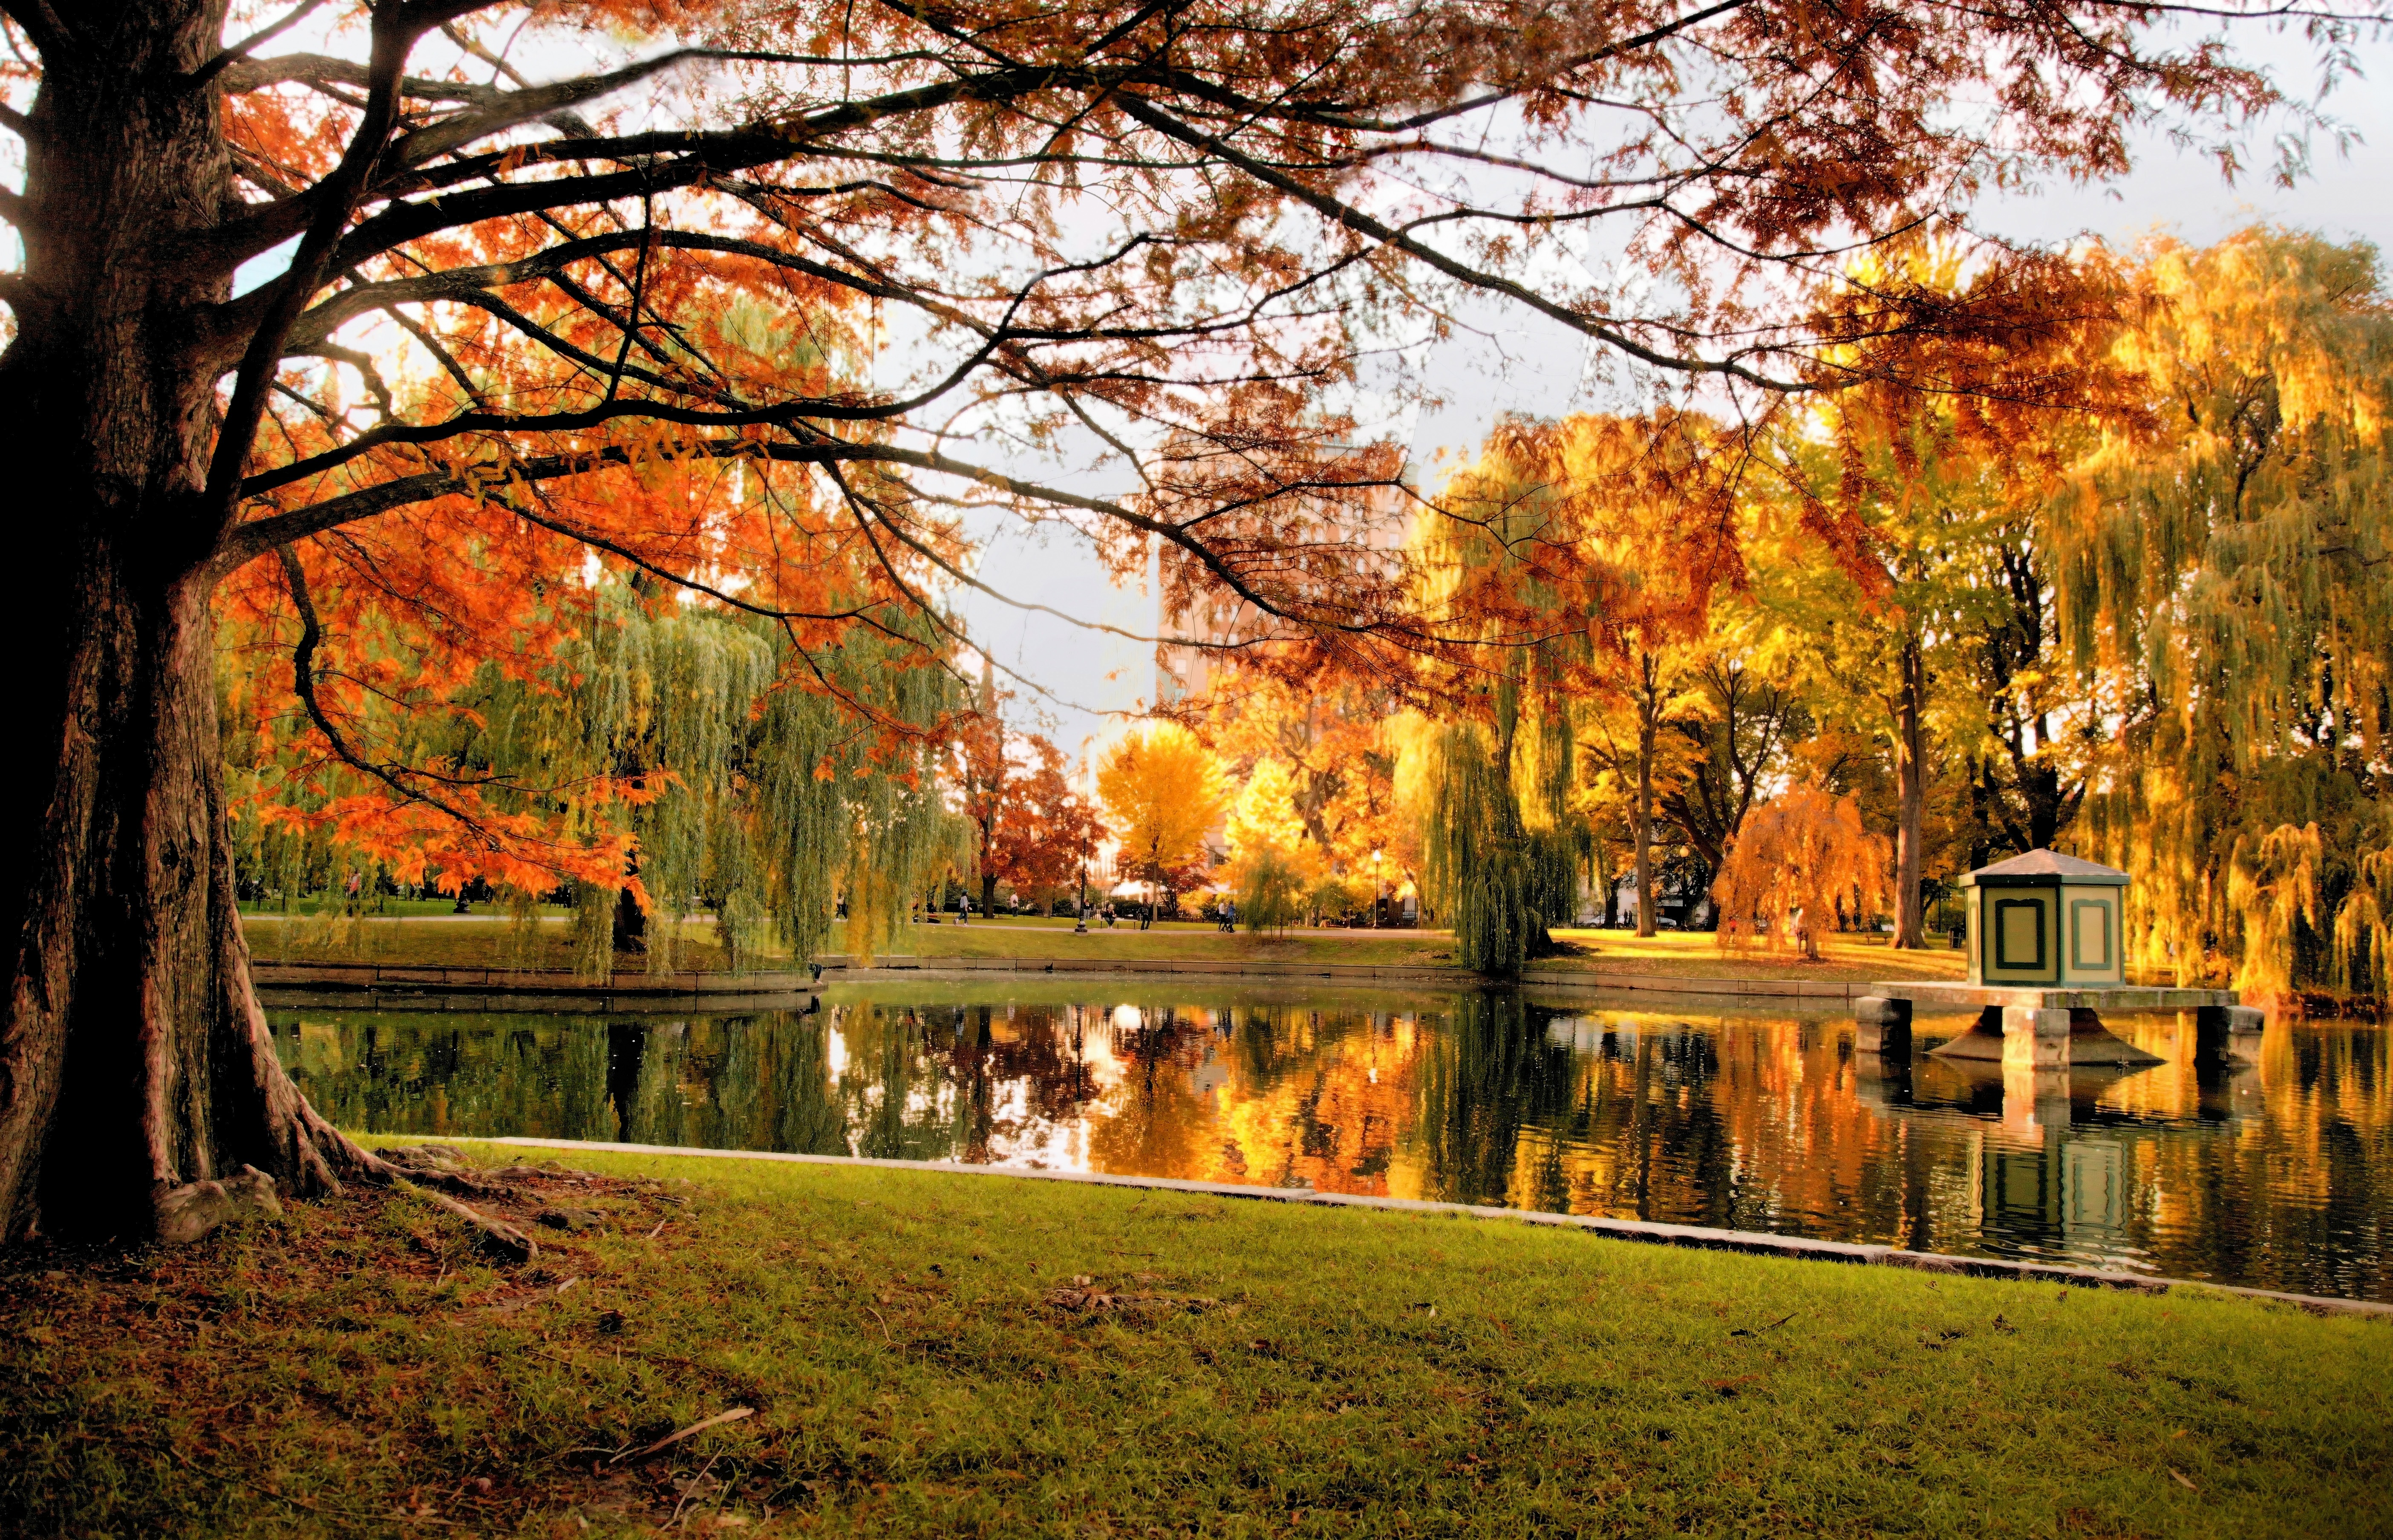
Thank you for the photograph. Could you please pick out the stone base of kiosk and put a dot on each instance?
(2049, 1029)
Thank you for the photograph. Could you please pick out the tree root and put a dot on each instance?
(497, 1235)
(421, 1171)
(425, 1164)
(186, 1213)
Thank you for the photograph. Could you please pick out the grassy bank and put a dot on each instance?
(921, 1359)
(1843, 958)
(1689, 954)
(460, 941)
(492, 942)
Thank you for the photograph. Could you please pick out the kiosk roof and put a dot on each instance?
(2042, 867)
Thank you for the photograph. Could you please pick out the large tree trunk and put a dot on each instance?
(1911, 793)
(133, 1059)
(628, 926)
(1649, 713)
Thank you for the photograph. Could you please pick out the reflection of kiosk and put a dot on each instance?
(2046, 958)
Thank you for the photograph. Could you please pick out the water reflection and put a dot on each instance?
(2279, 1175)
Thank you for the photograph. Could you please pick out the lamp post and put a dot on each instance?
(1378, 887)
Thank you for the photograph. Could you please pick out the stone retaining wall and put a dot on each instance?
(1824, 994)
(564, 986)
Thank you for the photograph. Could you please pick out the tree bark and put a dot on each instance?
(133, 1058)
(630, 926)
(1910, 778)
(1649, 713)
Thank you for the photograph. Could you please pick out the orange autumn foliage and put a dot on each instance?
(1800, 863)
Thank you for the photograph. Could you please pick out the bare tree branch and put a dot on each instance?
(265, 35)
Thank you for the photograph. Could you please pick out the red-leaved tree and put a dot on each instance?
(1046, 830)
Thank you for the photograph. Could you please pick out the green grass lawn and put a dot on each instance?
(1694, 954)
(484, 941)
(474, 941)
(1127, 943)
(385, 907)
(914, 1370)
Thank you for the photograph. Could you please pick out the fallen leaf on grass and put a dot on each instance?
(1756, 1331)
(671, 1438)
(2179, 1477)
(509, 1307)
(1097, 1301)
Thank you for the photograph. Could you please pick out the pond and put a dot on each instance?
(2278, 1175)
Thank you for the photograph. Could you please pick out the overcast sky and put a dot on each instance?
(1529, 366)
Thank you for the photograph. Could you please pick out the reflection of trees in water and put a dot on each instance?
(1157, 1117)
(2280, 1176)
(467, 1073)
(1014, 1068)
(1313, 1097)
(2300, 1195)
(771, 1089)
(959, 1082)
(749, 1082)
(1651, 1097)
(659, 1114)
(1634, 1117)
(1491, 1074)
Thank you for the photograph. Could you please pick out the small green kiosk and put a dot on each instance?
(2047, 959)
(2045, 919)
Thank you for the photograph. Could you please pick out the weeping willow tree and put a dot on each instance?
(735, 790)
(2236, 565)
(1490, 784)
(765, 806)
(1500, 854)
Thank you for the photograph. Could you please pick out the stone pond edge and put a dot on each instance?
(678, 989)
(1698, 1237)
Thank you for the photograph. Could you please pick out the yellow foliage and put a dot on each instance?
(1272, 864)
(2227, 564)
(1264, 818)
(2272, 882)
(1162, 789)
(2363, 929)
